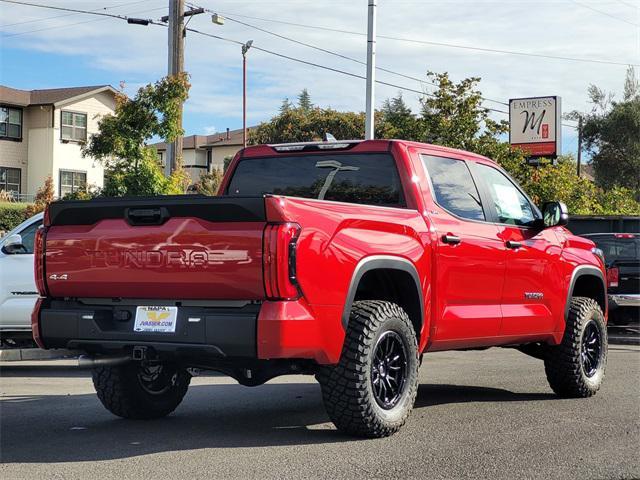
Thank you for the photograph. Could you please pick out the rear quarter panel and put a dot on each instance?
(335, 237)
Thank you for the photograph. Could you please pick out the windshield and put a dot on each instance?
(616, 249)
(370, 178)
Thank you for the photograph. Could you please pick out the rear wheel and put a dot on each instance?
(575, 368)
(372, 389)
(141, 391)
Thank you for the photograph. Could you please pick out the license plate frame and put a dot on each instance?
(155, 319)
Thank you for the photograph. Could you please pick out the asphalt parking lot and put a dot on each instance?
(487, 414)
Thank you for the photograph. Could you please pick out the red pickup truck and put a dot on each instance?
(345, 260)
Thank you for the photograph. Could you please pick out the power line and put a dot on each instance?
(607, 14)
(324, 67)
(64, 9)
(66, 25)
(71, 14)
(437, 44)
(237, 42)
(336, 54)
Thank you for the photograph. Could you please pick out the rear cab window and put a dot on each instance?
(618, 248)
(453, 187)
(364, 178)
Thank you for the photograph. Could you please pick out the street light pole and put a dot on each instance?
(371, 71)
(245, 49)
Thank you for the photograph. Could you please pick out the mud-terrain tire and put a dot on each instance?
(575, 368)
(379, 357)
(141, 393)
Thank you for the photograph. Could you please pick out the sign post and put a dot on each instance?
(535, 126)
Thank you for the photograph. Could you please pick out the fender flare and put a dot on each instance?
(380, 262)
(581, 271)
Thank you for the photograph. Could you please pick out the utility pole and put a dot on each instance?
(371, 71)
(176, 66)
(579, 142)
(245, 49)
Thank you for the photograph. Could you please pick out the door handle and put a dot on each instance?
(513, 244)
(451, 239)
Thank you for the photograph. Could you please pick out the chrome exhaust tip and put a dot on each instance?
(86, 361)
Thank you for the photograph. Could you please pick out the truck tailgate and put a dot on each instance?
(174, 247)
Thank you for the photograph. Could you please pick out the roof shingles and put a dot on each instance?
(13, 96)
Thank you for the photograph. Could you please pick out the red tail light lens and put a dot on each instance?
(613, 277)
(38, 256)
(279, 261)
(35, 324)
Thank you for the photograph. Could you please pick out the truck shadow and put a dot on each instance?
(72, 428)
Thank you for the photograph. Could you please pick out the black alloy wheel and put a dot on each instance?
(389, 369)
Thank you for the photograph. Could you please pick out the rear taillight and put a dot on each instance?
(35, 323)
(38, 264)
(613, 276)
(279, 261)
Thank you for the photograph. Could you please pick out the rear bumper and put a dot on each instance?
(200, 330)
(266, 331)
(624, 300)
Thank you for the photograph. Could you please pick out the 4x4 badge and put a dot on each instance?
(54, 276)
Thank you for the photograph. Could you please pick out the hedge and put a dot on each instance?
(11, 215)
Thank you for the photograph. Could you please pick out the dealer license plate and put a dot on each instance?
(156, 319)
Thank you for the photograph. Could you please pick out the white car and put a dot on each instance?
(18, 291)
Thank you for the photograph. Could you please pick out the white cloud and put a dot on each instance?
(138, 54)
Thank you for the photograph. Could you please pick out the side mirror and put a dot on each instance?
(13, 245)
(554, 214)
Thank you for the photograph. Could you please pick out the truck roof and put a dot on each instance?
(357, 145)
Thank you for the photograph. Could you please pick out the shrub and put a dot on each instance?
(44, 196)
(12, 214)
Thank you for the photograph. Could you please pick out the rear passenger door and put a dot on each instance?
(532, 253)
(470, 257)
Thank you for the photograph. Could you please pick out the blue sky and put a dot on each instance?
(71, 50)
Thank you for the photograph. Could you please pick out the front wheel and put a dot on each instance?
(371, 391)
(139, 391)
(575, 368)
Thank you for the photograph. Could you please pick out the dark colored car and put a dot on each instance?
(622, 256)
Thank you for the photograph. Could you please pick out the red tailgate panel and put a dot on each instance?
(185, 258)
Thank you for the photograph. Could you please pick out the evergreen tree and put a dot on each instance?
(304, 101)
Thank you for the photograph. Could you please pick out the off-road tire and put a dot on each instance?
(121, 392)
(347, 388)
(563, 363)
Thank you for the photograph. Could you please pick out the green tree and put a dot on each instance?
(209, 183)
(306, 124)
(399, 119)
(612, 135)
(304, 100)
(286, 105)
(131, 168)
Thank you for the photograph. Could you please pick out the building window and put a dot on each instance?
(10, 179)
(11, 123)
(71, 182)
(74, 126)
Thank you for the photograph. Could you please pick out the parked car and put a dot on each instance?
(18, 291)
(347, 260)
(622, 256)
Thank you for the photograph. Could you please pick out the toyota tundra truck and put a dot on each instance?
(347, 260)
